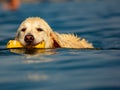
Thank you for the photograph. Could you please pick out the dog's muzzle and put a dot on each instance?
(29, 39)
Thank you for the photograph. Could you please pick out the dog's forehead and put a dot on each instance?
(33, 22)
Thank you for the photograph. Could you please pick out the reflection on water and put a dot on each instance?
(38, 60)
(37, 77)
(30, 59)
(33, 51)
(35, 55)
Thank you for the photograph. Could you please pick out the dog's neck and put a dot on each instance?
(55, 44)
(52, 41)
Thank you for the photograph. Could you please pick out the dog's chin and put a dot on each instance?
(28, 44)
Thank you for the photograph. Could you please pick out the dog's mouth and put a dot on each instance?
(30, 41)
(31, 45)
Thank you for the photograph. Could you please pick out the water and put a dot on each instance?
(68, 69)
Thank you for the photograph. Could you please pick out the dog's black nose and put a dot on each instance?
(29, 38)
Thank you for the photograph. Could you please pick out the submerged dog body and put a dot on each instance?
(35, 30)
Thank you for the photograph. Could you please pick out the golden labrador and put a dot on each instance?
(35, 30)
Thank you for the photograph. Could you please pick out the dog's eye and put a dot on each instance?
(39, 29)
(23, 29)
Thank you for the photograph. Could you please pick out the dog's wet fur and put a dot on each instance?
(35, 30)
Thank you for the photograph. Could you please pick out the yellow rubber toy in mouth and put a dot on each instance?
(16, 44)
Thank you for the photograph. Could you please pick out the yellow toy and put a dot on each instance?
(16, 44)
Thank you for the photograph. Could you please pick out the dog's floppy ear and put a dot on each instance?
(55, 40)
(53, 35)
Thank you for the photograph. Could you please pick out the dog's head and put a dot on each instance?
(33, 31)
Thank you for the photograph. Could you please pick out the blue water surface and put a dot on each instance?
(64, 69)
